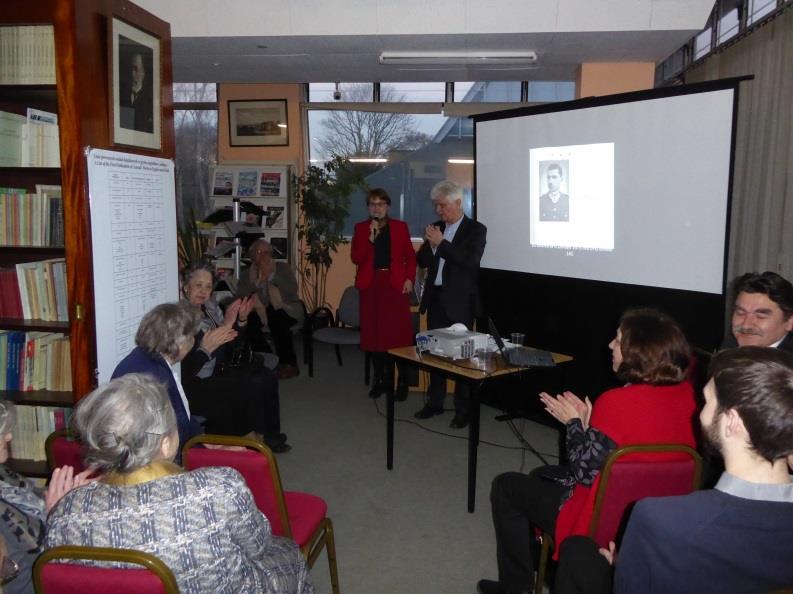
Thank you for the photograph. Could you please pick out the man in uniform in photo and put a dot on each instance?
(554, 205)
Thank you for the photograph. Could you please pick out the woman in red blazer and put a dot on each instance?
(656, 404)
(386, 260)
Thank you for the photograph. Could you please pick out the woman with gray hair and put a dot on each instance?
(24, 506)
(165, 336)
(240, 400)
(204, 524)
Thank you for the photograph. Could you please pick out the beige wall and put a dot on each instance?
(595, 79)
(291, 153)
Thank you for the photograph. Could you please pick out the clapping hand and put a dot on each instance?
(433, 235)
(64, 480)
(610, 553)
(217, 337)
(567, 406)
(239, 309)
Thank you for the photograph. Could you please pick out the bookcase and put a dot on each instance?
(266, 186)
(80, 96)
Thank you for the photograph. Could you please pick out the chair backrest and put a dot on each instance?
(255, 463)
(634, 472)
(64, 449)
(349, 308)
(52, 576)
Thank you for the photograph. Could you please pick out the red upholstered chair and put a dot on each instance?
(52, 576)
(632, 473)
(64, 449)
(299, 516)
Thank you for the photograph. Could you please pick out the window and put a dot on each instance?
(729, 19)
(196, 132)
(407, 153)
(350, 92)
(433, 92)
(760, 8)
(702, 44)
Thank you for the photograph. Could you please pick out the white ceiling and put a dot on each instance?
(341, 40)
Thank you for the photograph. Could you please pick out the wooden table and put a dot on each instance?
(465, 370)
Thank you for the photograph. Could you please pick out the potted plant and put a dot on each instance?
(192, 243)
(322, 195)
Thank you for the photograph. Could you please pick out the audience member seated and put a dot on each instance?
(276, 305)
(236, 398)
(650, 354)
(24, 506)
(165, 336)
(763, 312)
(735, 538)
(204, 524)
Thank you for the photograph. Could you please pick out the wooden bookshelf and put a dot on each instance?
(80, 98)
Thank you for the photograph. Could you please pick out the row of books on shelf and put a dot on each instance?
(33, 425)
(31, 219)
(27, 55)
(35, 361)
(35, 291)
(29, 141)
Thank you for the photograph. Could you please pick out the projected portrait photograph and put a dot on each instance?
(571, 196)
(135, 81)
(555, 201)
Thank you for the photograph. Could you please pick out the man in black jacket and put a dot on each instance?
(763, 312)
(452, 250)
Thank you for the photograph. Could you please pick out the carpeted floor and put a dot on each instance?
(406, 530)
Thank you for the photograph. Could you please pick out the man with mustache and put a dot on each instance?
(763, 312)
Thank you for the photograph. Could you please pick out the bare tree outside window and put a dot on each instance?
(351, 133)
(196, 149)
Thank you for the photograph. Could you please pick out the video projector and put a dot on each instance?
(454, 342)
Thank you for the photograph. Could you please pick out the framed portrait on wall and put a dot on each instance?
(135, 87)
(258, 123)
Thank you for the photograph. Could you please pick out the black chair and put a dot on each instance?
(343, 330)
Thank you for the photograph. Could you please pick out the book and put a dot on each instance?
(16, 342)
(23, 290)
(271, 184)
(3, 357)
(11, 131)
(246, 183)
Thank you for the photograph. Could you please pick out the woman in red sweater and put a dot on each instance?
(656, 405)
(386, 260)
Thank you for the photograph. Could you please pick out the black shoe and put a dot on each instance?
(489, 587)
(427, 412)
(378, 390)
(275, 440)
(401, 392)
(280, 449)
(459, 421)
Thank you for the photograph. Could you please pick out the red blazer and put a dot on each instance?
(631, 415)
(403, 256)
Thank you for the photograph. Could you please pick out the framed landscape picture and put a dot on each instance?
(135, 87)
(258, 123)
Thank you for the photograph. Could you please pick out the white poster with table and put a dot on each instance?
(133, 230)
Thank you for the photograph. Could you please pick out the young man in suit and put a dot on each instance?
(452, 249)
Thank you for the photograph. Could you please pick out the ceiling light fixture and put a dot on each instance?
(473, 58)
(460, 161)
(368, 160)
